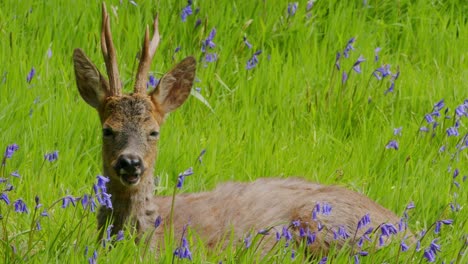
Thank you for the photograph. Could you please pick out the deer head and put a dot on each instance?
(131, 122)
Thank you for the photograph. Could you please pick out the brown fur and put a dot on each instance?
(237, 207)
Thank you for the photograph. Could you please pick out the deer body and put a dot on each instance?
(130, 132)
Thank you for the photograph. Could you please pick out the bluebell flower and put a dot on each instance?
(397, 131)
(20, 206)
(356, 259)
(10, 149)
(429, 255)
(391, 88)
(292, 8)
(158, 221)
(248, 241)
(286, 233)
(15, 174)
(197, 23)
(302, 232)
(208, 42)
(296, 223)
(349, 47)
(93, 258)
(252, 62)
(342, 232)
(31, 74)
(152, 82)
(452, 132)
(344, 77)
(326, 209)
(323, 260)
(49, 53)
(310, 237)
(4, 197)
(376, 54)
(357, 64)
(67, 200)
(200, 157)
(382, 72)
(439, 105)
(187, 11)
(102, 182)
(310, 5)
(109, 232)
(211, 57)
(120, 236)
(247, 43)
(293, 254)
(456, 172)
(44, 213)
(388, 229)
(364, 221)
(52, 156)
(278, 236)
(392, 144)
(403, 246)
(183, 252)
(181, 177)
(337, 61)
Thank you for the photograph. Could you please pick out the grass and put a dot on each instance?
(289, 115)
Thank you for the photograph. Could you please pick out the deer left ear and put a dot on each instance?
(174, 87)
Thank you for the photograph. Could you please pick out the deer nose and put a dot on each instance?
(129, 164)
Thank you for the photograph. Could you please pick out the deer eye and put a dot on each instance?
(154, 134)
(107, 132)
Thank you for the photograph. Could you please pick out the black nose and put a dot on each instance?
(130, 164)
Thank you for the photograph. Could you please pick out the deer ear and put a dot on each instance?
(93, 87)
(174, 87)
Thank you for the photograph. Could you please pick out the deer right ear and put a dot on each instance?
(93, 87)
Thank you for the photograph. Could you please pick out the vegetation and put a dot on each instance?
(280, 107)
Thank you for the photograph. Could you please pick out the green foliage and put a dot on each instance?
(289, 115)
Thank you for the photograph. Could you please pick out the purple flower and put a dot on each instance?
(93, 258)
(20, 206)
(293, 254)
(183, 251)
(286, 233)
(429, 255)
(187, 11)
(101, 182)
(211, 57)
(326, 209)
(388, 229)
(197, 23)
(452, 131)
(344, 77)
(323, 260)
(152, 82)
(439, 105)
(49, 53)
(365, 220)
(253, 61)
(397, 131)
(67, 200)
(109, 232)
(15, 174)
(296, 223)
(52, 156)
(10, 150)
(382, 72)
(247, 43)
(349, 47)
(337, 60)
(310, 5)
(391, 88)
(456, 172)
(357, 64)
(4, 197)
(310, 237)
(392, 144)
(120, 236)
(292, 8)
(31, 74)
(181, 177)
(403, 246)
(44, 213)
(376, 52)
(38, 226)
(248, 241)
(158, 221)
(200, 157)
(208, 42)
(342, 232)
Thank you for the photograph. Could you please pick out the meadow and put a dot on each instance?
(370, 95)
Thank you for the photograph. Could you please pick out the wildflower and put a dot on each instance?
(44, 213)
(52, 156)
(49, 53)
(302, 232)
(403, 246)
(397, 131)
(326, 209)
(376, 52)
(4, 197)
(31, 74)
(158, 221)
(439, 105)
(423, 129)
(429, 255)
(101, 182)
(67, 200)
(10, 150)
(323, 260)
(152, 82)
(382, 72)
(342, 232)
(392, 144)
(20, 206)
(247, 43)
(248, 241)
(120, 236)
(253, 61)
(38, 205)
(292, 8)
(310, 237)
(200, 157)
(197, 23)
(348, 47)
(452, 131)
(357, 64)
(181, 177)
(344, 77)
(183, 251)
(211, 57)
(356, 259)
(296, 223)
(87, 201)
(93, 258)
(187, 11)
(461, 110)
(310, 5)
(337, 61)
(109, 232)
(15, 174)
(286, 233)
(391, 88)
(365, 220)
(209, 41)
(439, 224)
(278, 236)
(388, 229)
(293, 254)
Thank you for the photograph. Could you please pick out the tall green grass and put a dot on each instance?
(289, 116)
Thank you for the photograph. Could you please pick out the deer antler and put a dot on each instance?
(108, 53)
(147, 53)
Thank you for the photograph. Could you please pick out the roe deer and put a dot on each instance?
(130, 125)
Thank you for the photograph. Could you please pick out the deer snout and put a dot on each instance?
(129, 167)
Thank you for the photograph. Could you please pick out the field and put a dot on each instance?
(272, 98)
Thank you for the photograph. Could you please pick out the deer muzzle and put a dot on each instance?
(129, 167)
